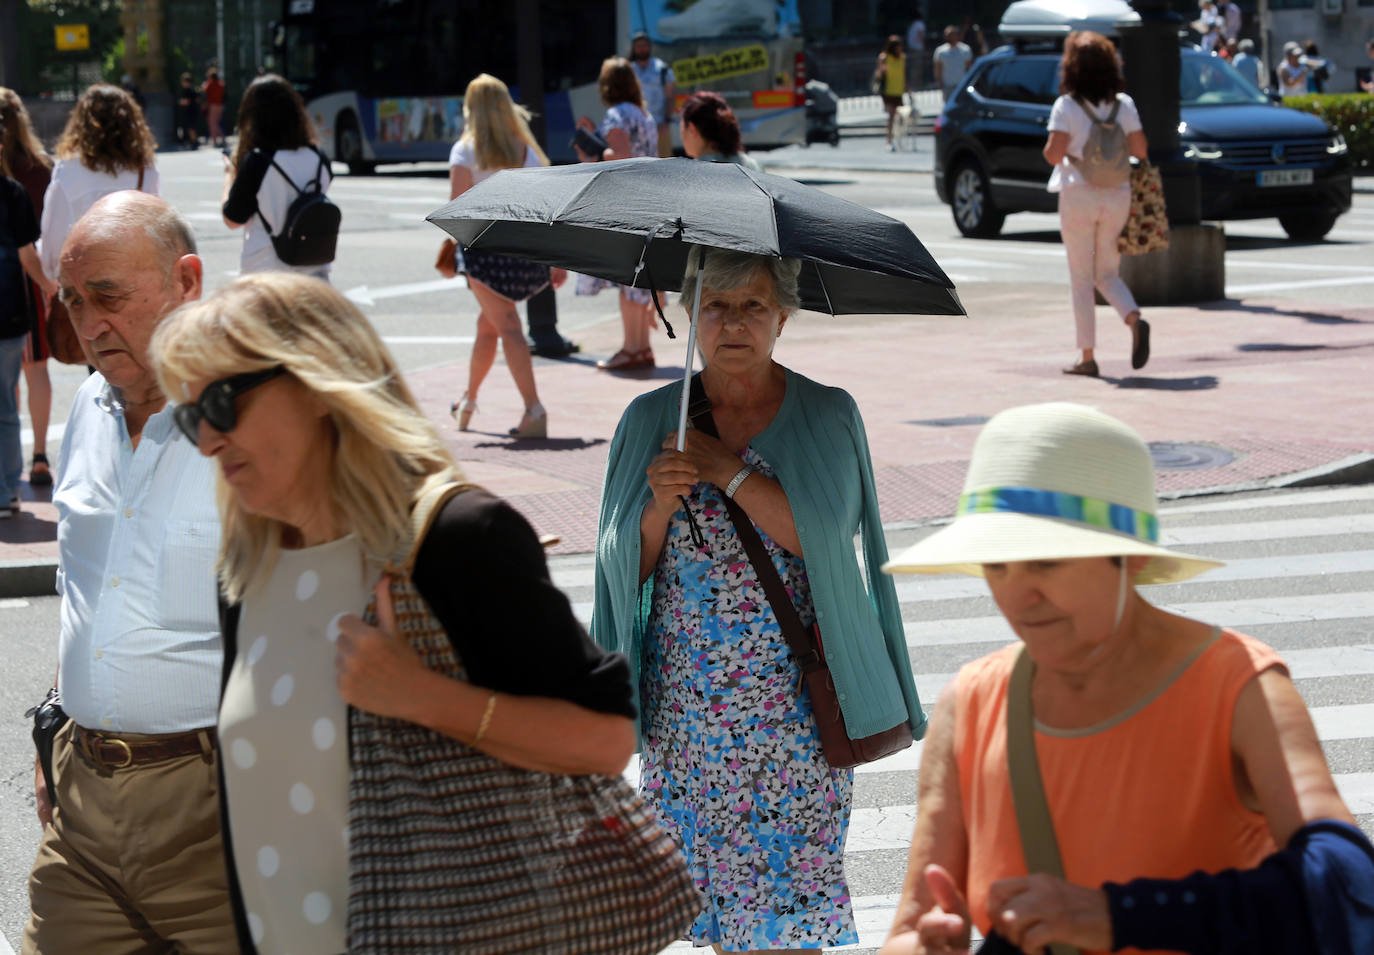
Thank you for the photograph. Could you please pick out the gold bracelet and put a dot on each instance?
(486, 719)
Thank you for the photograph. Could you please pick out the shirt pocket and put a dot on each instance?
(187, 595)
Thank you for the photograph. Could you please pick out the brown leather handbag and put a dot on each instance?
(841, 750)
(447, 261)
(63, 343)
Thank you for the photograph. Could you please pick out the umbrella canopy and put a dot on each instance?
(635, 220)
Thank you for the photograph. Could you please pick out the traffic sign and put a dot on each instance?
(73, 36)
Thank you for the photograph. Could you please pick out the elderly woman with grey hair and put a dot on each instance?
(731, 757)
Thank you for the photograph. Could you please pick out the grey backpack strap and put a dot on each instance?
(1116, 106)
(1033, 819)
(1083, 105)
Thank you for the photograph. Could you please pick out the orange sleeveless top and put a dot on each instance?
(1149, 793)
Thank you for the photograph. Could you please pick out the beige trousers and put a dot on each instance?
(132, 863)
(1090, 219)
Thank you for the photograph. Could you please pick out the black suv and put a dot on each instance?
(1257, 160)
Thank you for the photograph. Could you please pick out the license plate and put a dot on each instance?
(1286, 177)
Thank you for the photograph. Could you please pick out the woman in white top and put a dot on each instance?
(105, 147)
(496, 136)
(275, 159)
(1091, 217)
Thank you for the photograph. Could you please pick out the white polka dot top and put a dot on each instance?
(283, 729)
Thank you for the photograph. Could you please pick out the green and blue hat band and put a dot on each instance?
(1073, 507)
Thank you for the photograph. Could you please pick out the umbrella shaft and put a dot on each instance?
(691, 354)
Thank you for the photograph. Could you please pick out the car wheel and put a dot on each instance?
(1308, 228)
(348, 146)
(974, 213)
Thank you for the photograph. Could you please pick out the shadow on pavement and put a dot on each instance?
(1198, 383)
(822, 181)
(27, 528)
(1283, 346)
(544, 444)
(1049, 238)
(1316, 318)
(1250, 243)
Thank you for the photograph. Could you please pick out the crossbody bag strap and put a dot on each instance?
(1033, 819)
(140, 178)
(799, 638)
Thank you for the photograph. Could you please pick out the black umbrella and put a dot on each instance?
(600, 218)
(635, 221)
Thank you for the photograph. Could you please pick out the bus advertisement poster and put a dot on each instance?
(415, 119)
(695, 70)
(672, 21)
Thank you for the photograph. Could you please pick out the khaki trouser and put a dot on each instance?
(133, 861)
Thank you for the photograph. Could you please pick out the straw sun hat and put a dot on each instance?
(1053, 482)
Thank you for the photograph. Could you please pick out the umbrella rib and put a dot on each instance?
(575, 196)
(486, 228)
(772, 204)
(824, 291)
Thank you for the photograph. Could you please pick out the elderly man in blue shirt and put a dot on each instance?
(131, 858)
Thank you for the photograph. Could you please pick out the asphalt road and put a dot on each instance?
(1308, 593)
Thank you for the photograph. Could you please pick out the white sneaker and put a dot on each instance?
(707, 18)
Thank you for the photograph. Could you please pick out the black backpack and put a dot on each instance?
(311, 230)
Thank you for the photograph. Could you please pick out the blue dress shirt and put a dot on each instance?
(138, 536)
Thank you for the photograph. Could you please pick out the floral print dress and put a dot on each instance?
(732, 762)
(643, 142)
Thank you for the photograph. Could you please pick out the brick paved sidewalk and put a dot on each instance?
(1234, 394)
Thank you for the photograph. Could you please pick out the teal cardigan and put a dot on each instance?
(818, 450)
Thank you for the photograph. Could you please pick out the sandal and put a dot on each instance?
(624, 360)
(37, 477)
(1087, 368)
(534, 424)
(462, 411)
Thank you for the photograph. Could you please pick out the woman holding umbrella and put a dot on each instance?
(629, 132)
(731, 759)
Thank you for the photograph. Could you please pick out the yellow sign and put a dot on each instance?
(73, 36)
(717, 66)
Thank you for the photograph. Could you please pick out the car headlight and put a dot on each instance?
(1204, 151)
(1336, 146)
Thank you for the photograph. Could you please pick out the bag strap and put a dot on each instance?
(1083, 105)
(422, 517)
(1033, 819)
(140, 179)
(1116, 107)
(799, 639)
(289, 181)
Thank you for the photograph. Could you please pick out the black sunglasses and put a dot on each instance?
(217, 403)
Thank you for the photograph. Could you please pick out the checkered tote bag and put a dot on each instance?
(452, 850)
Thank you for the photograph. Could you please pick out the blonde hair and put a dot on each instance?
(107, 133)
(386, 452)
(497, 126)
(19, 144)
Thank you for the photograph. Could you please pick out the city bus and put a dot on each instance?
(383, 79)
